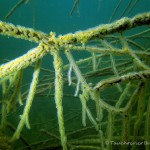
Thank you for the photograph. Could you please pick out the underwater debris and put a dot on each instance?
(81, 37)
(131, 78)
(74, 7)
(15, 7)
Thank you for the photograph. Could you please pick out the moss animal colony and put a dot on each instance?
(129, 76)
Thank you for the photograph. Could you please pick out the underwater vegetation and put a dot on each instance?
(111, 83)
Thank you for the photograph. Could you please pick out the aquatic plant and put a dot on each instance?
(128, 76)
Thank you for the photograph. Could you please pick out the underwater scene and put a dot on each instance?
(75, 75)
